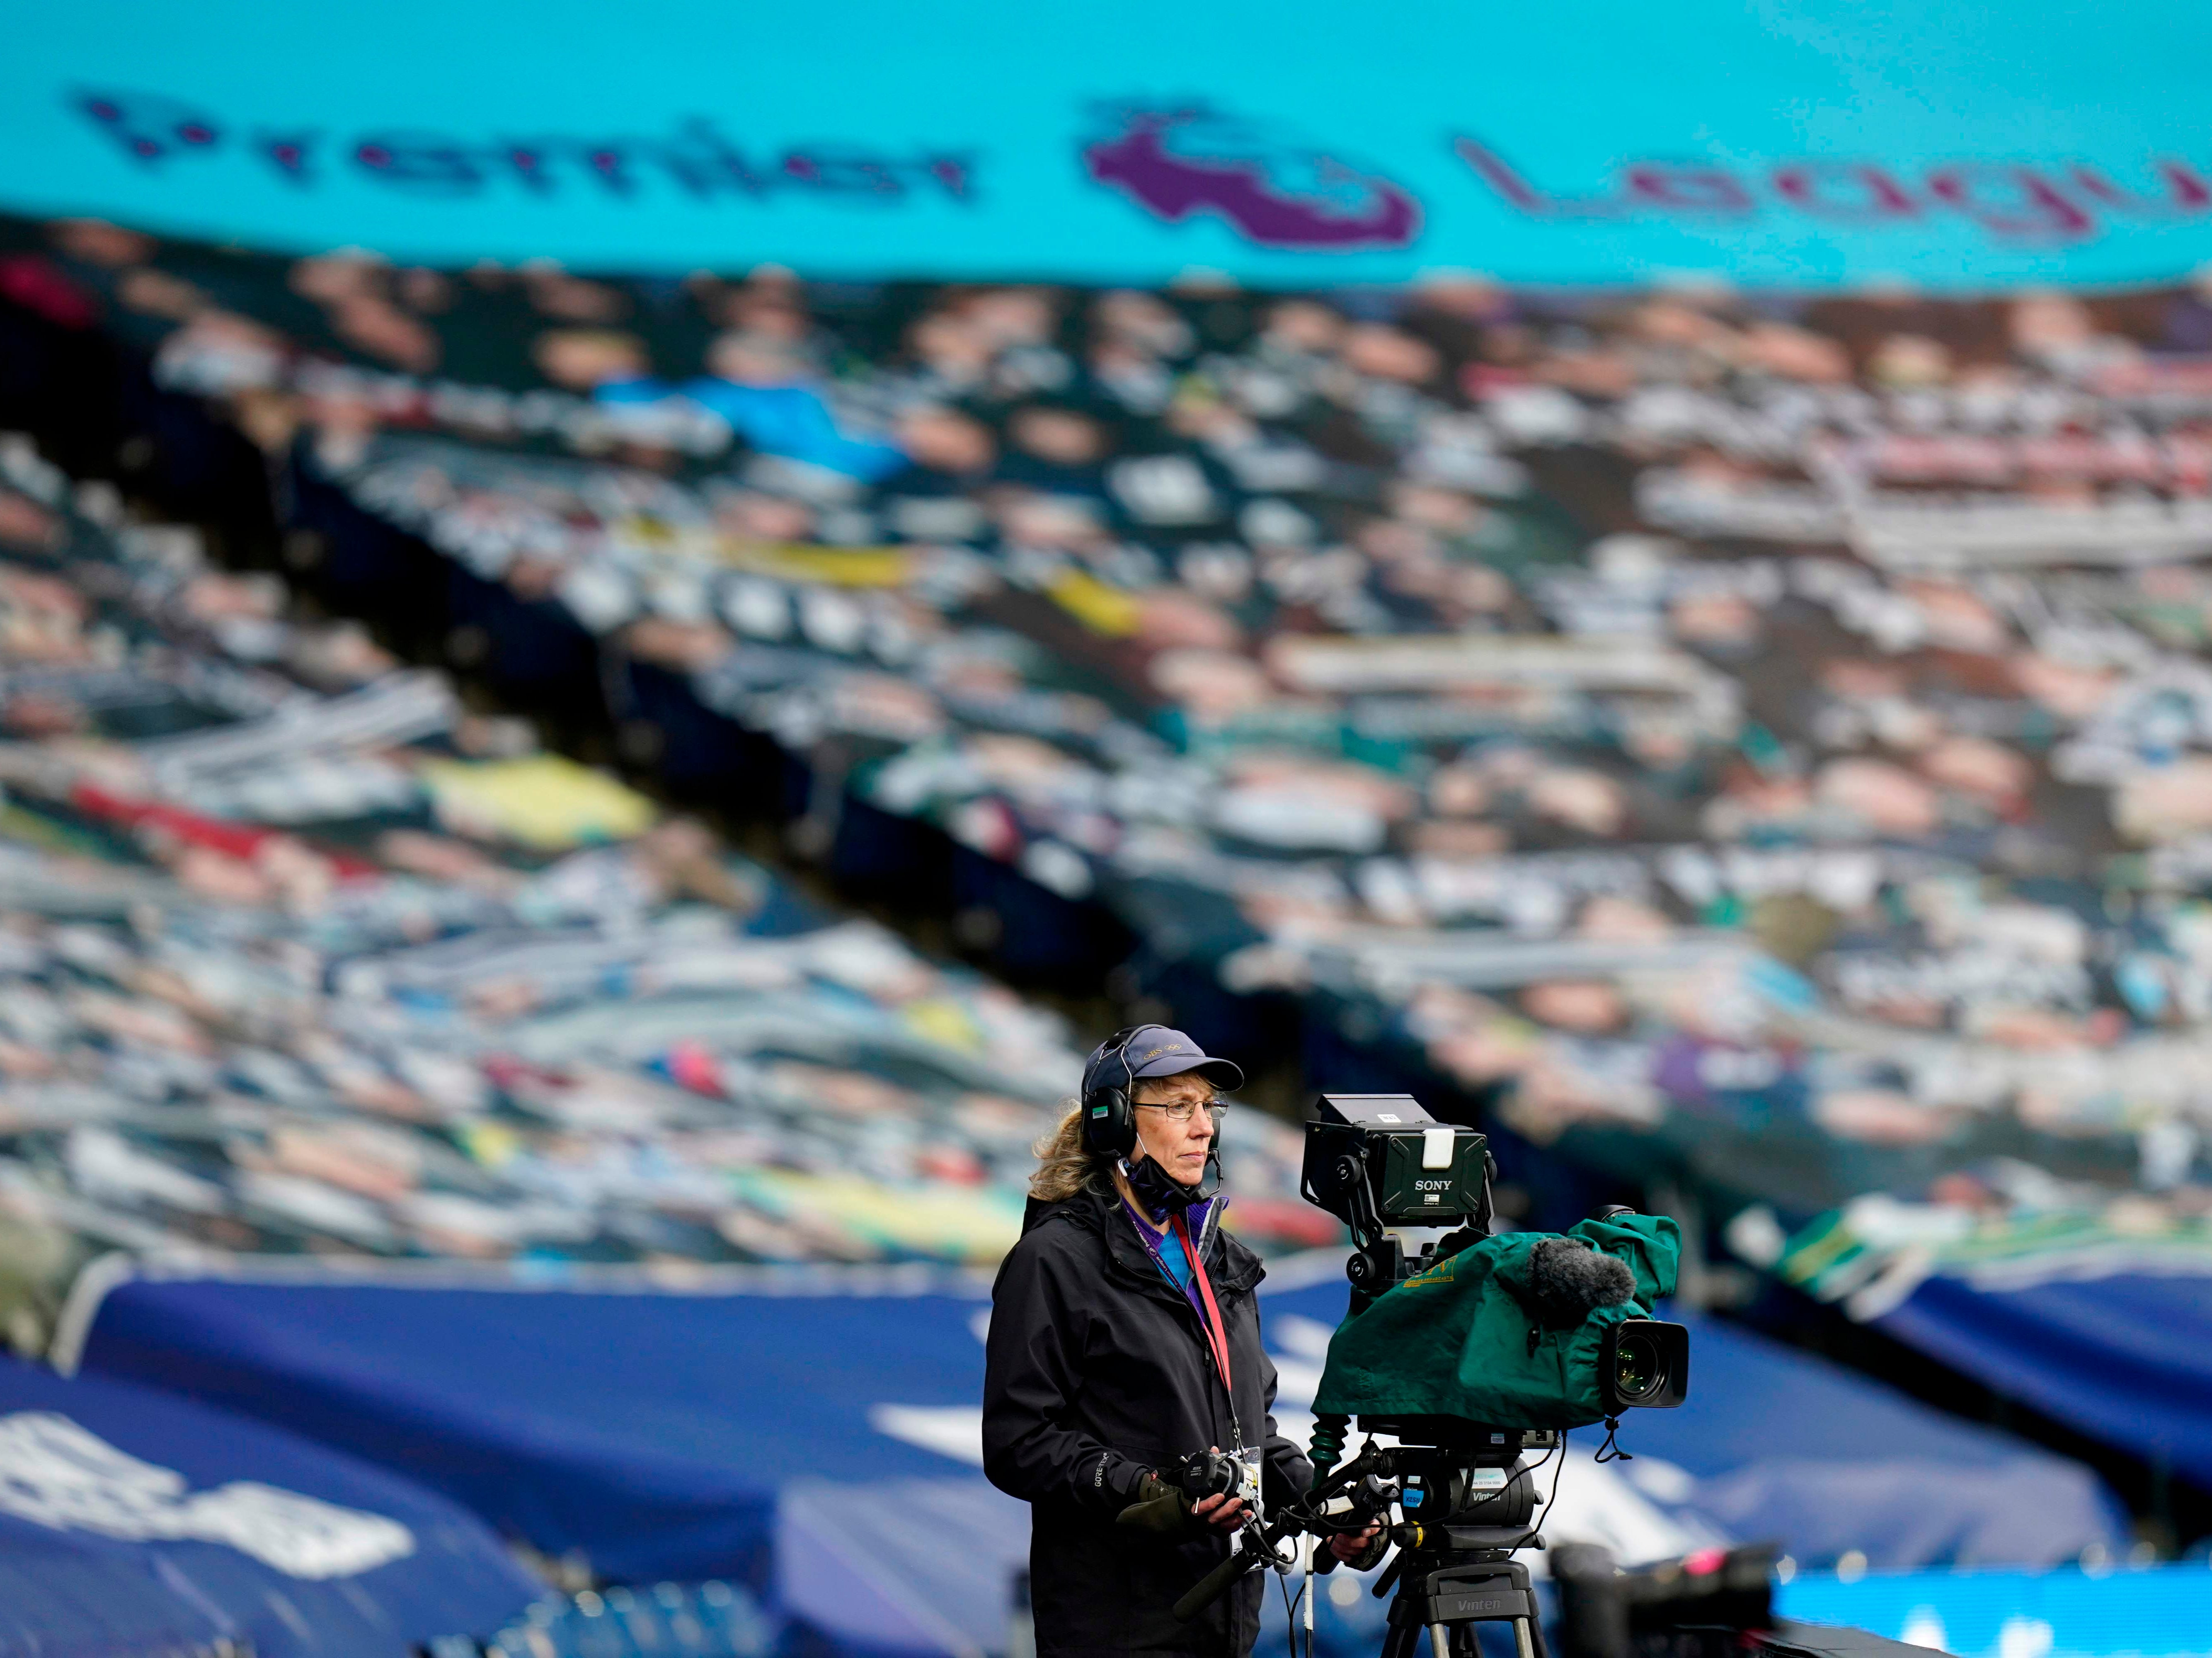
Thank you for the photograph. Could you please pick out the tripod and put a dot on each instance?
(1470, 1503)
(1445, 1593)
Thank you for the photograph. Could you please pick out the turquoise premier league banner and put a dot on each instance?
(1291, 142)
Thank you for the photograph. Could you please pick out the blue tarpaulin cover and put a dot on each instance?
(902, 1566)
(650, 1430)
(2125, 1359)
(132, 1521)
(829, 1420)
(1783, 1445)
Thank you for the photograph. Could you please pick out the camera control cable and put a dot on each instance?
(1303, 1600)
(1560, 1451)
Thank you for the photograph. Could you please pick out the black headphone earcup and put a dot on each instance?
(1110, 1125)
(1110, 1121)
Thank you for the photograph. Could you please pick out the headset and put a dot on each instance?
(1109, 1115)
(1109, 1130)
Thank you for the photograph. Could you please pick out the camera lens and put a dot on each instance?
(1637, 1371)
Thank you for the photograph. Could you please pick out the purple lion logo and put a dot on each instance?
(1178, 162)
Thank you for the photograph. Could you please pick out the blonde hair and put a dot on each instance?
(1064, 1166)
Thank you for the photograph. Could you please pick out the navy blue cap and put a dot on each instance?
(1155, 1051)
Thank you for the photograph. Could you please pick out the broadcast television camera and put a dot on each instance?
(1553, 1328)
(1384, 1167)
(1558, 1321)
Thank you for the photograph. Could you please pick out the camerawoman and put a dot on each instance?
(1127, 1398)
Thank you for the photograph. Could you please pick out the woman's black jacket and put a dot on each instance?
(1097, 1370)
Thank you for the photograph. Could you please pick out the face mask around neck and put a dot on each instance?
(1159, 1194)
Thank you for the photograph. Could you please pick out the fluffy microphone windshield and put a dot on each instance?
(1568, 1280)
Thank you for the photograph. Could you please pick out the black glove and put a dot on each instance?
(1368, 1558)
(1160, 1508)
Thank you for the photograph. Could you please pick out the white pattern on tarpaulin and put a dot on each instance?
(54, 1473)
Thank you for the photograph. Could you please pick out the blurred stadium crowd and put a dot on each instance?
(1761, 739)
(299, 955)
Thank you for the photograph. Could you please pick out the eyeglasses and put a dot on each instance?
(1181, 1109)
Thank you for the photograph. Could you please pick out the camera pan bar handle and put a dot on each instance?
(1211, 1587)
(1259, 1550)
(1252, 1552)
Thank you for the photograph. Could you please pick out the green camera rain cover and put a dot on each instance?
(1460, 1339)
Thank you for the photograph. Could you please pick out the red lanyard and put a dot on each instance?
(1217, 1335)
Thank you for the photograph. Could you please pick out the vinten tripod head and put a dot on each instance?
(1469, 1496)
